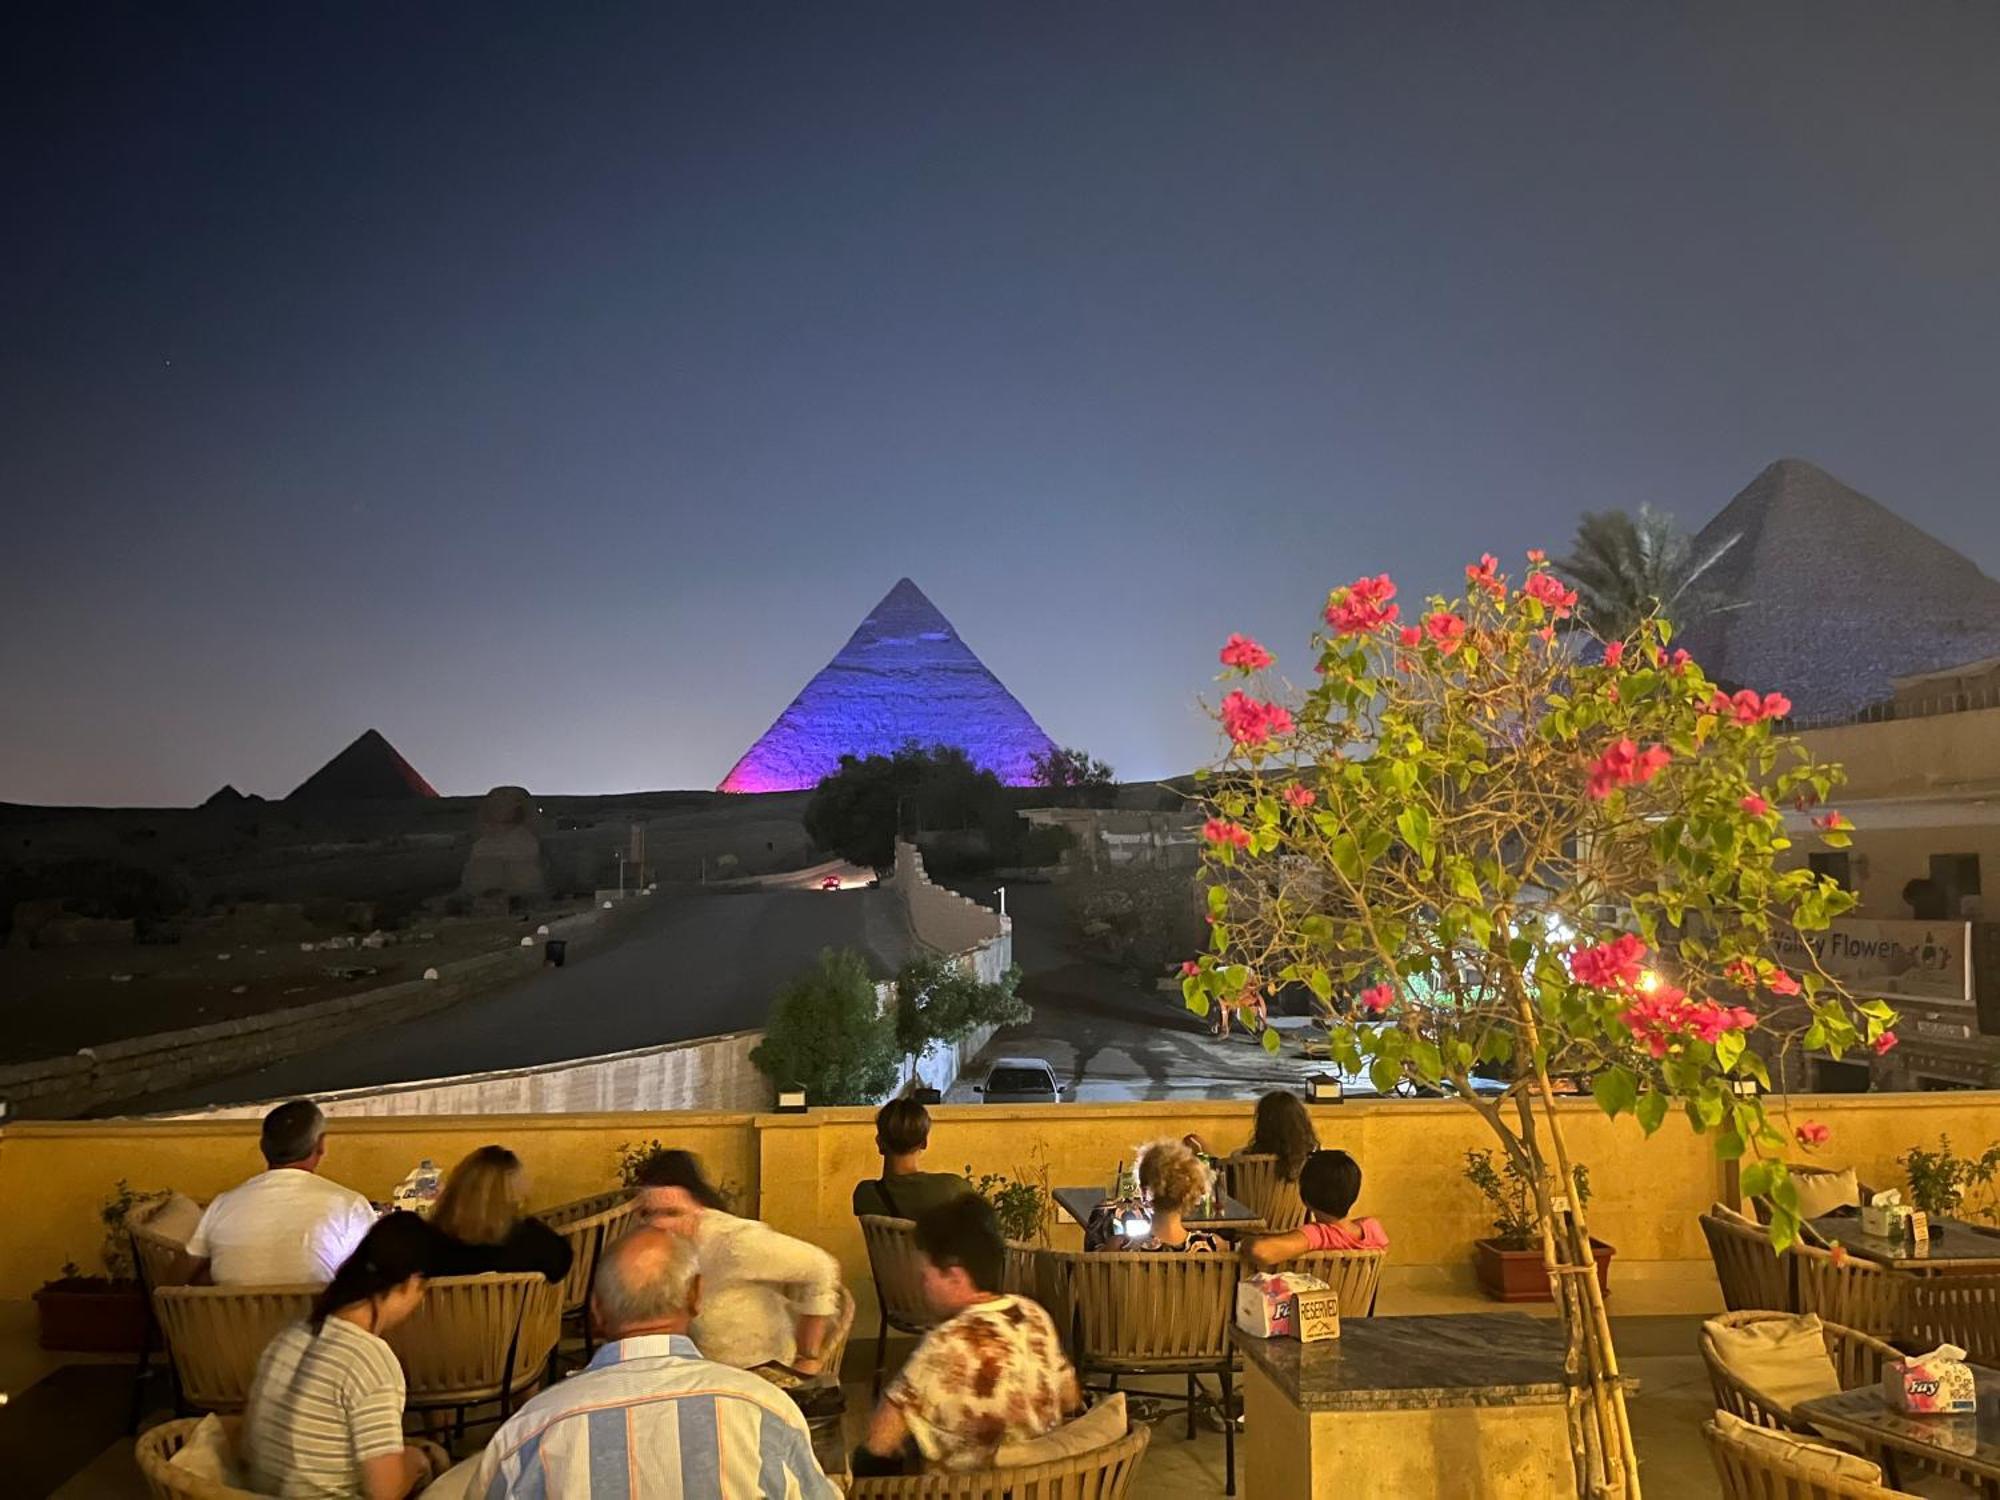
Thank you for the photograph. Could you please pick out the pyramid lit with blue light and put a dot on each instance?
(903, 677)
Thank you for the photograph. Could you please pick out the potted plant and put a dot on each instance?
(104, 1314)
(1508, 1263)
(1940, 1180)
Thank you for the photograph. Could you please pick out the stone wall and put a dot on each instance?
(1104, 838)
(943, 920)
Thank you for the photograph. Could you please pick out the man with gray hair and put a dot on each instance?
(649, 1418)
(287, 1225)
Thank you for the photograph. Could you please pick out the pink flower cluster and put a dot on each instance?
(1250, 721)
(1748, 707)
(1884, 1042)
(1744, 974)
(1300, 796)
(1377, 999)
(1812, 1133)
(1548, 590)
(1445, 629)
(1241, 651)
(1222, 831)
(1667, 1016)
(1625, 764)
(1754, 805)
(1485, 574)
(1363, 606)
(1614, 653)
(1615, 965)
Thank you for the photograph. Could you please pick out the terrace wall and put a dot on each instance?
(797, 1171)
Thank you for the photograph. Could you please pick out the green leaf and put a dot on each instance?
(1758, 1177)
(1218, 900)
(1270, 1041)
(1414, 824)
(1198, 1003)
(1651, 1110)
(1728, 1048)
(1616, 1091)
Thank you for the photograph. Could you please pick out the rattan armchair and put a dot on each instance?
(1857, 1358)
(1158, 1313)
(583, 1208)
(216, 1334)
(587, 1235)
(157, 1261)
(1040, 1275)
(157, 1446)
(1102, 1474)
(899, 1285)
(1354, 1274)
(1854, 1293)
(476, 1341)
(1955, 1309)
(1253, 1180)
(1747, 1473)
(1754, 1277)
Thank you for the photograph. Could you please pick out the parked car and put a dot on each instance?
(1019, 1080)
(831, 883)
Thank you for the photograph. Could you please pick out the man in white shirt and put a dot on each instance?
(649, 1418)
(286, 1225)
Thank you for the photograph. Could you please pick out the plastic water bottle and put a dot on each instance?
(419, 1191)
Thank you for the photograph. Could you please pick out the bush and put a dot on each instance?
(936, 1001)
(858, 811)
(828, 1035)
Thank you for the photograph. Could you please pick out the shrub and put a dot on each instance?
(937, 1001)
(827, 1035)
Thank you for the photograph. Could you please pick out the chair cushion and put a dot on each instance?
(1795, 1454)
(174, 1219)
(1103, 1424)
(208, 1454)
(1821, 1191)
(1782, 1359)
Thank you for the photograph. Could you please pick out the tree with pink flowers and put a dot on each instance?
(1480, 850)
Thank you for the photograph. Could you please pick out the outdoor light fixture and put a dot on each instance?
(1324, 1088)
(1649, 980)
(1745, 1088)
(791, 1101)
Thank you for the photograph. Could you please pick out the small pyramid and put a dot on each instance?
(1832, 595)
(367, 770)
(225, 795)
(903, 676)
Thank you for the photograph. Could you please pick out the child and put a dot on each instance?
(1329, 1183)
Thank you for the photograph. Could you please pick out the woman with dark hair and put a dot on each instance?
(766, 1298)
(325, 1414)
(482, 1226)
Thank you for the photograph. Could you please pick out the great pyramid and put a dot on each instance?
(903, 676)
(367, 770)
(1834, 595)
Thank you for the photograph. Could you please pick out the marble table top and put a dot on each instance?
(1953, 1243)
(1386, 1364)
(1965, 1441)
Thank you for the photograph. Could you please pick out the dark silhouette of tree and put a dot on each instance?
(858, 811)
(1625, 567)
(1078, 778)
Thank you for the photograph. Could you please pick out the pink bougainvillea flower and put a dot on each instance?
(1813, 1133)
(1546, 635)
(1708, 1020)
(1241, 651)
(1614, 653)
(1782, 983)
(1678, 662)
(1411, 635)
(1445, 629)
(1485, 574)
(1755, 806)
(1625, 764)
(1377, 998)
(1548, 590)
(1884, 1042)
(1777, 706)
(1222, 831)
(1832, 822)
(1300, 796)
(1740, 972)
(1250, 721)
(1718, 703)
(1537, 555)
(1615, 965)
(1652, 760)
(1190, 968)
(1363, 606)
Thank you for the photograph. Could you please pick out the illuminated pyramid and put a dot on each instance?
(903, 676)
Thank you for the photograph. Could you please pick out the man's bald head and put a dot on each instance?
(647, 1282)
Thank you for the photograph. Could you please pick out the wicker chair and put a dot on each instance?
(583, 1208)
(157, 1261)
(1042, 1276)
(1857, 1361)
(899, 1285)
(477, 1340)
(1102, 1474)
(1140, 1313)
(587, 1235)
(216, 1334)
(1954, 1309)
(157, 1446)
(1750, 1474)
(833, 1350)
(1253, 1181)
(1754, 1277)
(1355, 1274)
(1854, 1293)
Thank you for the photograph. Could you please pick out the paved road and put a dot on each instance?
(701, 965)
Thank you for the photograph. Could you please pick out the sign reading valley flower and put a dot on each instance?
(1930, 961)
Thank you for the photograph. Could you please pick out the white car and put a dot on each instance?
(1019, 1080)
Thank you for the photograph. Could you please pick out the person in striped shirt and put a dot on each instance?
(649, 1418)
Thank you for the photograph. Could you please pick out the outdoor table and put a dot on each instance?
(1967, 1444)
(1962, 1248)
(1220, 1212)
(1468, 1405)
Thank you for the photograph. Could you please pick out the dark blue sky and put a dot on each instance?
(555, 387)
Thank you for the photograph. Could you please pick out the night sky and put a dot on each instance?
(555, 387)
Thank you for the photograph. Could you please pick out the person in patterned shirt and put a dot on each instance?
(993, 1371)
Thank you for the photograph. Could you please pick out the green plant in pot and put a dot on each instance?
(1508, 1263)
(1021, 1203)
(107, 1313)
(1944, 1184)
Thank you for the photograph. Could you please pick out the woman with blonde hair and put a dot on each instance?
(1172, 1179)
(482, 1223)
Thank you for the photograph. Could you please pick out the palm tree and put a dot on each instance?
(1625, 567)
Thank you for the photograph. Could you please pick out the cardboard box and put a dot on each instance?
(1937, 1382)
(1267, 1304)
(1319, 1316)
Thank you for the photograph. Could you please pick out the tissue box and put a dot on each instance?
(1886, 1221)
(1936, 1382)
(1319, 1316)
(1267, 1304)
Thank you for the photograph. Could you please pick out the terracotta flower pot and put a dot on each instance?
(1517, 1275)
(92, 1315)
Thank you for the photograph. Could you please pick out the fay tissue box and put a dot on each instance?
(1886, 1216)
(1319, 1316)
(1267, 1304)
(1939, 1381)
